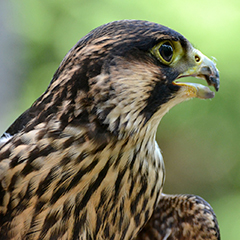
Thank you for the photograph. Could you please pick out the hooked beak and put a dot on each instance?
(202, 68)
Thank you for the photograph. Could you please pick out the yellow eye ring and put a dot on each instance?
(164, 51)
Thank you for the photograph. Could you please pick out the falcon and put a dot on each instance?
(83, 163)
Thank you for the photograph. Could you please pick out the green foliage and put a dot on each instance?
(228, 209)
(199, 139)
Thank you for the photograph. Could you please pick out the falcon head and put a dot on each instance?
(122, 76)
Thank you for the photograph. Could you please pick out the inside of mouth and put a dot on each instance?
(191, 79)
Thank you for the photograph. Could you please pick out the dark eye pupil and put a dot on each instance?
(166, 52)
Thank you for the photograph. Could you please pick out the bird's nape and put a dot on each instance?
(82, 162)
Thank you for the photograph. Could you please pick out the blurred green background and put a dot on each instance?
(199, 138)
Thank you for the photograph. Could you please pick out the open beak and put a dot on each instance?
(202, 68)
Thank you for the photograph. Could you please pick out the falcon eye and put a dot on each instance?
(166, 51)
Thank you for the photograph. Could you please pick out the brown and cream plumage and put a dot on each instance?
(82, 162)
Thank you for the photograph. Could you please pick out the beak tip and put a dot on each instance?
(216, 83)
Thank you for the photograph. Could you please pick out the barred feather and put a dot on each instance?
(82, 162)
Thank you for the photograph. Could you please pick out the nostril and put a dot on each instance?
(197, 58)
